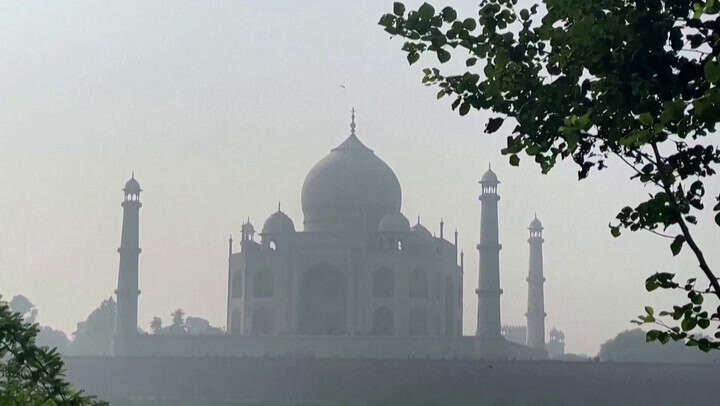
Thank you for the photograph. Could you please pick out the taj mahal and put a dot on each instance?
(357, 281)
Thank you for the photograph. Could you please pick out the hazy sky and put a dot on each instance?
(221, 108)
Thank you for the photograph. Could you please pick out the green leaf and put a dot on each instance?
(524, 14)
(695, 298)
(514, 160)
(672, 111)
(717, 219)
(677, 244)
(646, 118)
(698, 10)
(398, 9)
(615, 231)
(426, 11)
(469, 24)
(413, 57)
(712, 71)
(649, 310)
(652, 335)
(443, 55)
(635, 138)
(449, 14)
(704, 323)
(494, 124)
(470, 61)
(464, 108)
(688, 324)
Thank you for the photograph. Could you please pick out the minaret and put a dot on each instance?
(127, 289)
(228, 311)
(488, 314)
(536, 302)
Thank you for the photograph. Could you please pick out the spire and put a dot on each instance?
(278, 205)
(352, 123)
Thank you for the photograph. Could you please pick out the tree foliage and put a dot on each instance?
(595, 81)
(31, 374)
(94, 335)
(182, 325)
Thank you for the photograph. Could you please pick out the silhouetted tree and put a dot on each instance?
(31, 374)
(630, 345)
(23, 305)
(156, 325)
(51, 338)
(595, 80)
(182, 325)
(46, 336)
(178, 323)
(200, 326)
(94, 335)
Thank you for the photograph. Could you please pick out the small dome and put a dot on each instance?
(489, 177)
(132, 186)
(394, 223)
(421, 232)
(536, 225)
(278, 223)
(247, 227)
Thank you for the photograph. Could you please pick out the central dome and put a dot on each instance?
(350, 189)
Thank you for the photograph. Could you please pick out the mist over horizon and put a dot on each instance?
(221, 109)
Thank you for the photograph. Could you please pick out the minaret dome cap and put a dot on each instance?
(536, 225)
(132, 186)
(489, 177)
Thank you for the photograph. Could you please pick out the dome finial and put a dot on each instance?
(352, 122)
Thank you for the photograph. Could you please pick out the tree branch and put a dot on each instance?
(683, 226)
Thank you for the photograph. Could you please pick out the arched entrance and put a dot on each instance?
(383, 323)
(261, 322)
(323, 301)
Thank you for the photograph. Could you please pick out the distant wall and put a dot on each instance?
(286, 381)
(467, 347)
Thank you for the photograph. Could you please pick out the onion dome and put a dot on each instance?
(350, 189)
(394, 223)
(535, 225)
(489, 177)
(278, 223)
(132, 186)
(421, 232)
(247, 228)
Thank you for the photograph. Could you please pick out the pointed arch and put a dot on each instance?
(261, 322)
(383, 283)
(383, 323)
(263, 283)
(418, 322)
(419, 284)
